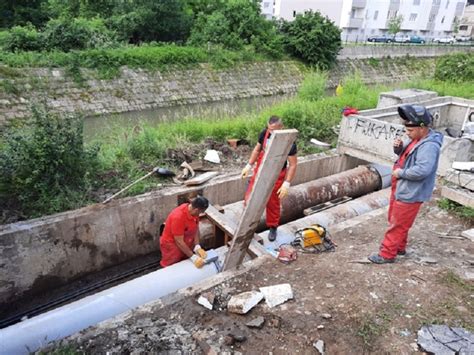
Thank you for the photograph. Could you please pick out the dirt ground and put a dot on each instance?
(353, 308)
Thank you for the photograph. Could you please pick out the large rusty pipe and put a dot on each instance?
(352, 183)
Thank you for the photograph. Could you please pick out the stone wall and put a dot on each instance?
(137, 89)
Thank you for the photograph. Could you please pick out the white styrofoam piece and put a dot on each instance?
(277, 294)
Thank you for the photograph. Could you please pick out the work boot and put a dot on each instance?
(402, 252)
(272, 235)
(377, 259)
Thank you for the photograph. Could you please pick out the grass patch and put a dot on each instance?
(152, 57)
(456, 208)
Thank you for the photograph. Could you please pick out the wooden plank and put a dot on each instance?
(226, 224)
(200, 179)
(275, 156)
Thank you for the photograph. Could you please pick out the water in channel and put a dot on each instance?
(96, 126)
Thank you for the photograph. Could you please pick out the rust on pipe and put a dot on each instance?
(352, 183)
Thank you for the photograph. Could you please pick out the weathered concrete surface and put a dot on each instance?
(50, 251)
(390, 50)
(136, 90)
(398, 97)
(370, 134)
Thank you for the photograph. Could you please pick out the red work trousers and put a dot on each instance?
(273, 204)
(401, 216)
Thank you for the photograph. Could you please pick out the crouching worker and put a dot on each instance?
(180, 237)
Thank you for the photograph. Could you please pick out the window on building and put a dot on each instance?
(432, 17)
(416, 2)
(463, 28)
(353, 13)
(447, 4)
(266, 5)
(442, 20)
(294, 13)
(376, 14)
(413, 17)
(436, 2)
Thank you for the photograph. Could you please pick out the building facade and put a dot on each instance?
(466, 26)
(360, 19)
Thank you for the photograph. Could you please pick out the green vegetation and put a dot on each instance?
(157, 33)
(312, 38)
(456, 208)
(44, 167)
(455, 68)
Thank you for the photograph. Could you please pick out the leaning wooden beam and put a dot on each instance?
(275, 155)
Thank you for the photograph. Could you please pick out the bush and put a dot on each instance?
(455, 67)
(314, 86)
(43, 165)
(79, 33)
(312, 38)
(22, 38)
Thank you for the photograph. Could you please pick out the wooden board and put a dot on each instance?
(463, 196)
(201, 179)
(275, 156)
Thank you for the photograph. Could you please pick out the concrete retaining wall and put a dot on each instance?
(47, 252)
(376, 50)
(136, 90)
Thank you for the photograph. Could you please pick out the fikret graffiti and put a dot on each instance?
(375, 129)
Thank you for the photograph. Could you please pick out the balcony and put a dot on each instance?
(359, 4)
(355, 23)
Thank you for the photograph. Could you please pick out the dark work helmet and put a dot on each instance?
(200, 202)
(415, 115)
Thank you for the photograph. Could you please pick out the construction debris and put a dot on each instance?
(201, 179)
(319, 345)
(277, 294)
(441, 339)
(207, 300)
(244, 302)
(256, 323)
(468, 234)
(212, 156)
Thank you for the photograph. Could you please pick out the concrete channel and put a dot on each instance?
(52, 251)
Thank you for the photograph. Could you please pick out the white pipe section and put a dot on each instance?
(34, 333)
(328, 218)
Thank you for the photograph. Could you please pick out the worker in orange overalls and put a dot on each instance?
(282, 185)
(180, 237)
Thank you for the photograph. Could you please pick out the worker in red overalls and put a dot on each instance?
(282, 185)
(180, 237)
(413, 179)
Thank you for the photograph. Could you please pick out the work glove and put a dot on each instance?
(245, 171)
(197, 261)
(200, 251)
(283, 190)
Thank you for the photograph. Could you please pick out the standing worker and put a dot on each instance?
(413, 179)
(282, 185)
(180, 238)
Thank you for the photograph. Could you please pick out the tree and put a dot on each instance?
(22, 12)
(456, 23)
(151, 20)
(395, 24)
(313, 38)
(233, 25)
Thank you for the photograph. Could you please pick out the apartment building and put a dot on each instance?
(466, 25)
(359, 19)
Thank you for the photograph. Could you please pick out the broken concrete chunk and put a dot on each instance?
(277, 294)
(256, 323)
(319, 345)
(207, 300)
(468, 234)
(326, 316)
(441, 339)
(428, 260)
(244, 302)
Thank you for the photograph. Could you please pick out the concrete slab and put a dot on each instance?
(462, 196)
(244, 302)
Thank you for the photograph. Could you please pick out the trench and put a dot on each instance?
(354, 183)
